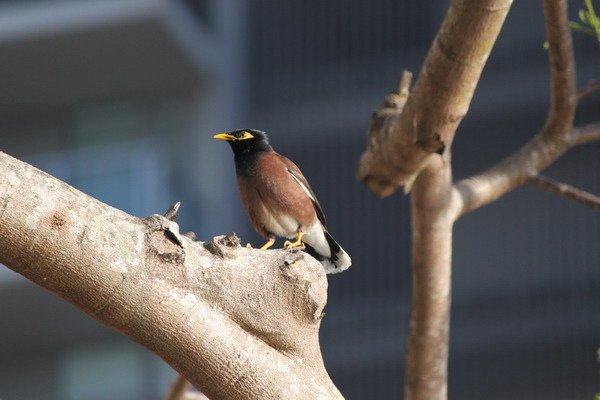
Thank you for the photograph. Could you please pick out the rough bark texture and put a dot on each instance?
(237, 323)
(400, 143)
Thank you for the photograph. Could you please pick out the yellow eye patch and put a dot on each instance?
(230, 137)
(247, 135)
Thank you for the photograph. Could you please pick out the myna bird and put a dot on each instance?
(279, 200)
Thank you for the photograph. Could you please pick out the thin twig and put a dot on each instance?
(173, 211)
(404, 84)
(561, 60)
(554, 138)
(586, 134)
(566, 190)
(194, 396)
(178, 388)
(587, 90)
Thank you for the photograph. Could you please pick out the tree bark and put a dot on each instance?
(402, 138)
(237, 323)
(432, 222)
(400, 150)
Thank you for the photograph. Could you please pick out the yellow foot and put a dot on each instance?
(268, 244)
(297, 243)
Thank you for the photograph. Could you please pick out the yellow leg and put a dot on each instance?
(297, 243)
(270, 243)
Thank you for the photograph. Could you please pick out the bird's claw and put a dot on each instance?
(268, 244)
(291, 245)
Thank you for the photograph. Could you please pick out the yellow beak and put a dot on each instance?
(224, 136)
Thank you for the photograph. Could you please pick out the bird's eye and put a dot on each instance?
(246, 135)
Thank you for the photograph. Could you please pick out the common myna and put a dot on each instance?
(279, 200)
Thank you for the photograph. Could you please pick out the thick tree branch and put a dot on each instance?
(565, 190)
(401, 140)
(555, 137)
(237, 323)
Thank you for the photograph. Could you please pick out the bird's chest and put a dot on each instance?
(273, 199)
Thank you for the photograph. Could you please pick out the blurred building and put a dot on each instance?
(120, 98)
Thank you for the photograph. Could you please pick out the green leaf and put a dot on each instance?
(590, 7)
(590, 23)
(581, 28)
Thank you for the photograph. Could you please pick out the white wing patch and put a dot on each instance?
(302, 185)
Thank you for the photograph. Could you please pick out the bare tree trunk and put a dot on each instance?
(237, 323)
(406, 133)
(432, 220)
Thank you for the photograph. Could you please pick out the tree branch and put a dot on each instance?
(401, 139)
(178, 388)
(194, 396)
(565, 190)
(237, 323)
(427, 356)
(585, 134)
(562, 70)
(587, 90)
(555, 137)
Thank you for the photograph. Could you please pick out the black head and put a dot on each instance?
(246, 140)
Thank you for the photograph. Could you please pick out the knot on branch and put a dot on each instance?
(162, 227)
(383, 121)
(293, 255)
(381, 173)
(222, 246)
(433, 143)
(58, 220)
(158, 223)
(165, 240)
(309, 282)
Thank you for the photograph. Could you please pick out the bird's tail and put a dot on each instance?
(339, 260)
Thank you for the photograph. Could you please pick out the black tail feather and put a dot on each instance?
(310, 250)
(333, 263)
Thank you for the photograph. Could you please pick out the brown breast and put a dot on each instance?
(266, 181)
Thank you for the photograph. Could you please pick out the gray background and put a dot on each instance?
(120, 98)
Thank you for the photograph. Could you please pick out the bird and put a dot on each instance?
(279, 200)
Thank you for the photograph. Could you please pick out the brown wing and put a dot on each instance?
(272, 195)
(301, 180)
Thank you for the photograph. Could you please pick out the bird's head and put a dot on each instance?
(244, 140)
